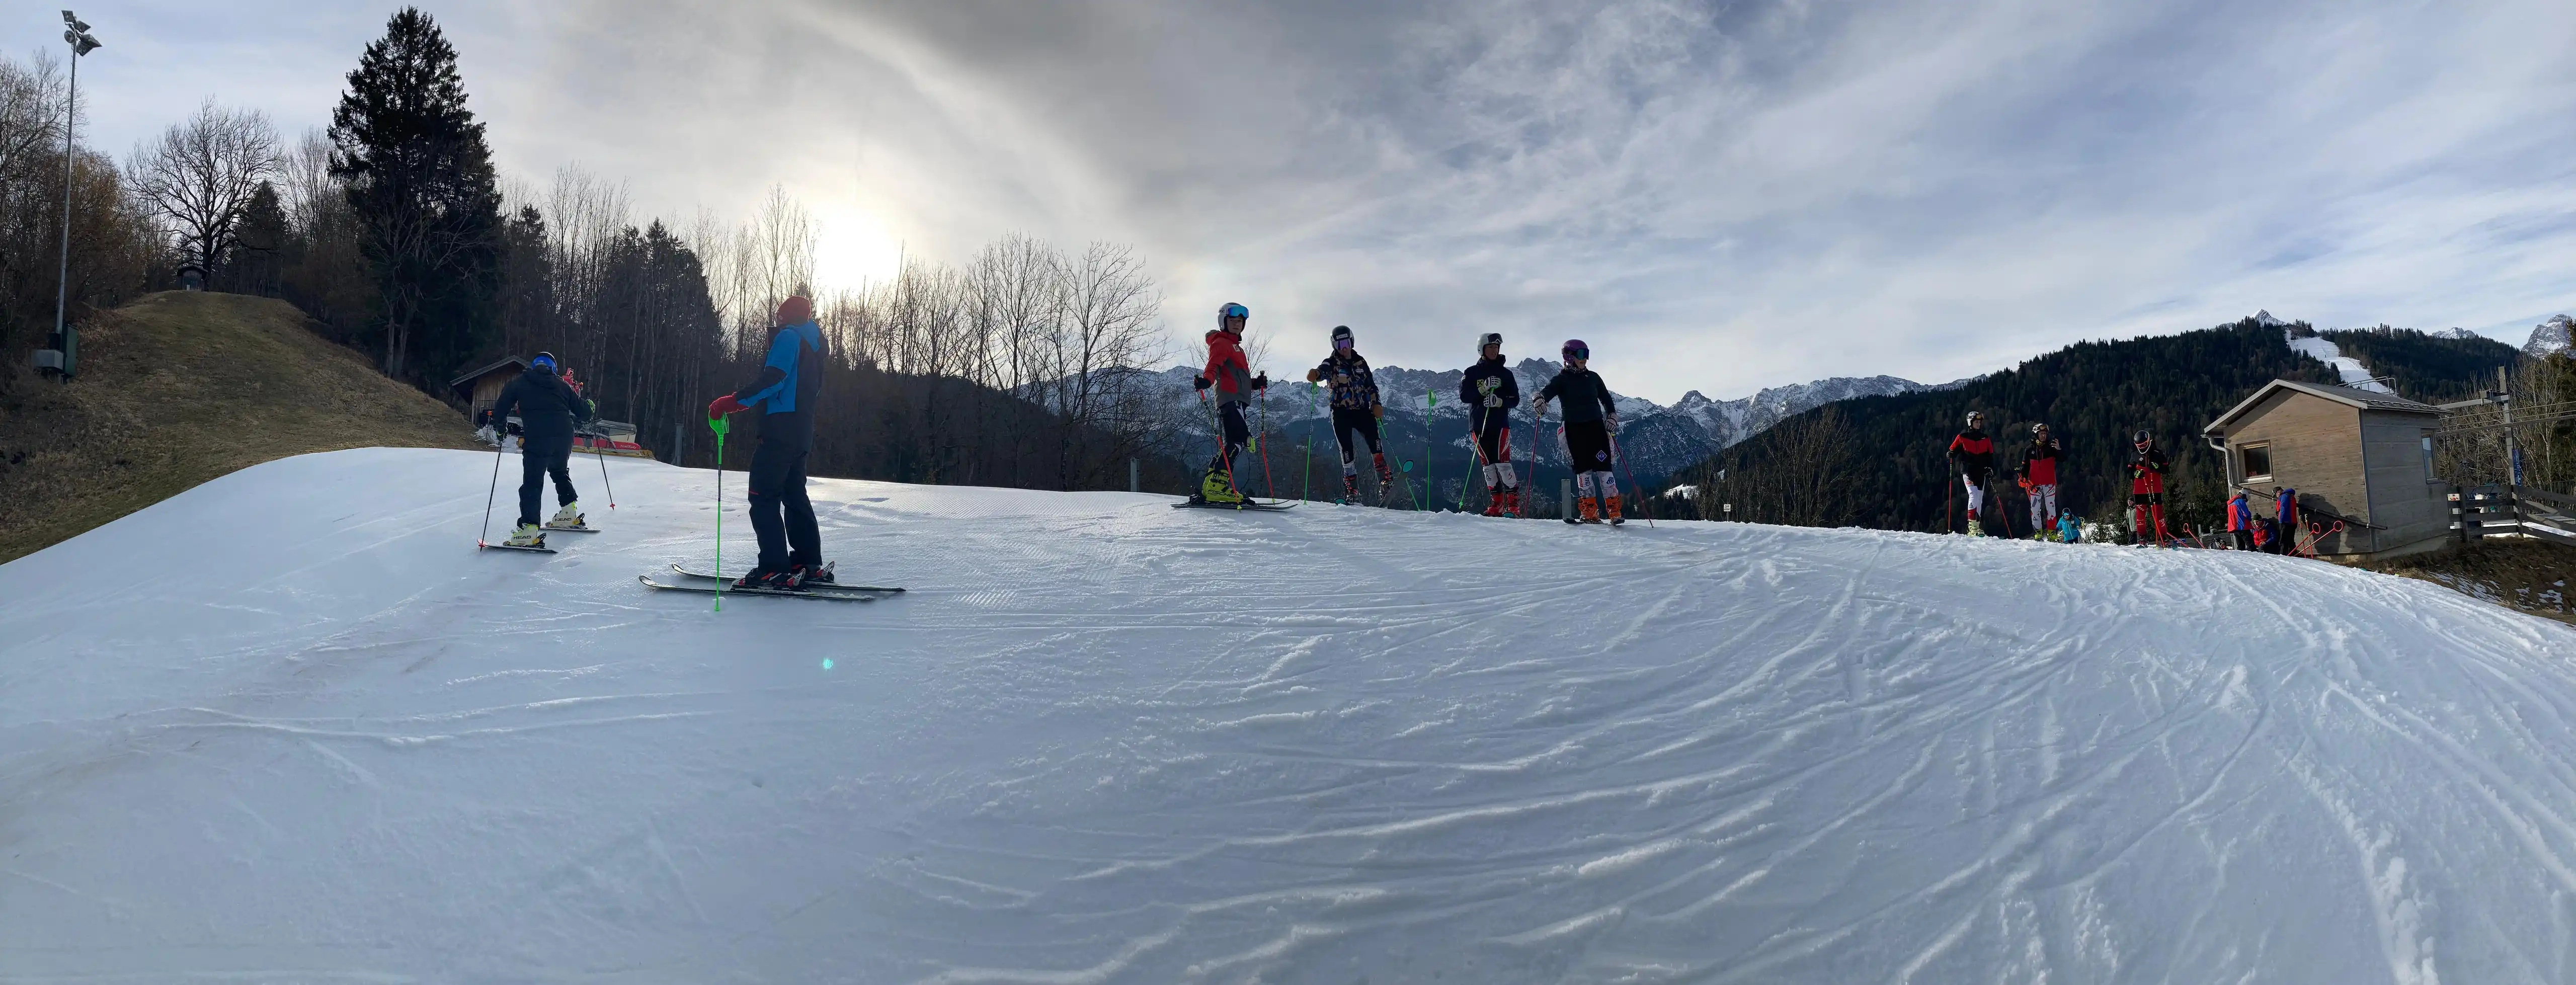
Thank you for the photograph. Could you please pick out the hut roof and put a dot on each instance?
(2362, 399)
(464, 385)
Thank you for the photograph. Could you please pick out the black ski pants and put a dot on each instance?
(780, 514)
(1350, 427)
(536, 461)
(1237, 433)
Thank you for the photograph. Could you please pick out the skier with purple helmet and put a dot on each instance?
(1591, 417)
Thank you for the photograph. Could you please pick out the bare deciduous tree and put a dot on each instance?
(200, 175)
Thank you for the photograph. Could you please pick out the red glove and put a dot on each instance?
(725, 406)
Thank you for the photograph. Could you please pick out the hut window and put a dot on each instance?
(2429, 474)
(2257, 460)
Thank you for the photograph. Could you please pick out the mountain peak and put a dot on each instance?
(2265, 319)
(2552, 336)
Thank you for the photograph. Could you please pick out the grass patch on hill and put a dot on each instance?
(2524, 575)
(180, 388)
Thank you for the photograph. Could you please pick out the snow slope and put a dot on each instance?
(291, 726)
(2352, 372)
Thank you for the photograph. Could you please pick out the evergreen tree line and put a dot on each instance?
(393, 232)
(1882, 462)
(2435, 369)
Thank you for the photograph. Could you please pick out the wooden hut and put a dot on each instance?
(2361, 458)
(478, 388)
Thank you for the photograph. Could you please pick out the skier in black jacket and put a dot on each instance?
(548, 409)
(1972, 457)
(1590, 419)
(1490, 392)
(1356, 411)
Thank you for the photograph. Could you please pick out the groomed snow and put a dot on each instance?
(2350, 370)
(292, 726)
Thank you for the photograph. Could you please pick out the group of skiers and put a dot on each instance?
(1488, 389)
(2033, 467)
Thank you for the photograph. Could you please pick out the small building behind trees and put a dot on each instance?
(2362, 458)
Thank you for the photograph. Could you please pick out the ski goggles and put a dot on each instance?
(1233, 311)
(1577, 353)
(1341, 344)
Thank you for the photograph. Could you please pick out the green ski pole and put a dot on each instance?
(719, 425)
(1429, 400)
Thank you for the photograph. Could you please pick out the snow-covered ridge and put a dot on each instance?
(2548, 338)
(2352, 372)
(308, 733)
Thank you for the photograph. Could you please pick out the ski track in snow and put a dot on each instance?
(1107, 741)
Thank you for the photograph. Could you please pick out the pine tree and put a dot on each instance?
(253, 264)
(421, 185)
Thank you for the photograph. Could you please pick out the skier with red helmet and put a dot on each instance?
(1591, 417)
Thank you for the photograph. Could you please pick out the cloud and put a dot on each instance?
(1716, 196)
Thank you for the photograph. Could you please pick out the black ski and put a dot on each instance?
(1201, 504)
(775, 593)
(541, 548)
(820, 586)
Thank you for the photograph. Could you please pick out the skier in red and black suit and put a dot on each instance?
(1972, 456)
(1490, 392)
(2147, 489)
(2037, 472)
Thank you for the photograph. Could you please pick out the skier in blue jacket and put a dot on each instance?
(791, 544)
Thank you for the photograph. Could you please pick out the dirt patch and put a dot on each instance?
(180, 388)
(2524, 575)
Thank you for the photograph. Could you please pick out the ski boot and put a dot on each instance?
(1494, 500)
(1219, 488)
(1385, 476)
(1512, 503)
(765, 580)
(1350, 487)
(568, 518)
(526, 535)
(1587, 510)
(802, 575)
(1610, 508)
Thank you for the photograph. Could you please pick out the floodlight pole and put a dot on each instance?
(64, 357)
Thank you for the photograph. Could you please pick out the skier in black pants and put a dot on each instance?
(1490, 391)
(1356, 411)
(791, 545)
(1590, 419)
(548, 409)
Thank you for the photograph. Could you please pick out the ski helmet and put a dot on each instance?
(1231, 310)
(1489, 338)
(1574, 349)
(2142, 437)
(545, 359)
(1341, 336)
(2039, 428)
(1976, 418)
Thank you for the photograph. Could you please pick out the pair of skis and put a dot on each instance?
(716, 584)
(540, 547)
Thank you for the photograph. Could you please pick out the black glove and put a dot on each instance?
(1261, 382)
(1200, 382)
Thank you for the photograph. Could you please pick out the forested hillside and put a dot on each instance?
(1879, 461)
(2427, 367)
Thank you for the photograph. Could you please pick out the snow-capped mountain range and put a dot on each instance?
(1657, 440)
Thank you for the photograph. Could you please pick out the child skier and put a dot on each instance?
(2037, 472)
(1490, 392)
(1972, 457)
(1590, 419)
(2070, 528)
(1356, 411)
(548, 411)
(2147, 489)
(1231, 376)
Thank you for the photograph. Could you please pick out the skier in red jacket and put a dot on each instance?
(2147, 489)
(1231, 376)
(2037, 472)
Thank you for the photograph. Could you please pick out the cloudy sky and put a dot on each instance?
(1717, 196)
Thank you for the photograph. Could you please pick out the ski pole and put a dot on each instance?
(479, 535)
(1475, 465)
(1261, 447)
(1429, 399)
(1632, 476)
(602, 455)
(718, 425)
(1306, 473)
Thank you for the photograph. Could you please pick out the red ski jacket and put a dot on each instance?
(1227, 368)
(2147, 471)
